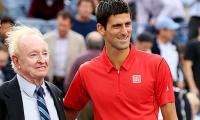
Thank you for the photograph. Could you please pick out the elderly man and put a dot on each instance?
(27, 96)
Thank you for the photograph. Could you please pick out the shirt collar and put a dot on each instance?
(163, 44)
(27, 87)
(126, 64)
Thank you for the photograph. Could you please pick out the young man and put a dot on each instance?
(122, 83)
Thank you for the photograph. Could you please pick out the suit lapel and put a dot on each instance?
(57, 101)
(15, 105)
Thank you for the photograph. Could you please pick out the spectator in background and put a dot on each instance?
(16, 9)
(73, 5)
(64, 45)
(192, 64)
(5, 26)
(94, 42)
(149, 10)
(144, 42)
(164, 46)
(3, 61)
(45, 9)
(194, 21)
(83, 22)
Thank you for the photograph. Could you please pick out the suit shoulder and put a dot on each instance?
(49, 34)
(76, 35)
(54, 88)
(4, 86)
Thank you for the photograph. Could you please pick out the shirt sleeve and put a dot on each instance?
(164, 85)
(77, 96)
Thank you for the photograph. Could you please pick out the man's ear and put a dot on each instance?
(15, 60)
(100, 29)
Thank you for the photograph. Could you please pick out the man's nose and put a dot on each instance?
(124, 30)
(41, 58)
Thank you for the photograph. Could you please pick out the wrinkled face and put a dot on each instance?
(3, 58)
(85, 9)
(63, 25)
(4, 28)
(118, 31)
(32, 62)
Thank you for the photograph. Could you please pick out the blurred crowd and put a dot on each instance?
(168, 28)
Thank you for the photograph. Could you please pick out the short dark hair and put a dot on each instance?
(64, 14)
(7, 20)
(145, 37)
(106, 8)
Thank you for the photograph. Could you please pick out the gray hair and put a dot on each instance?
(16, 33)
(94, 40)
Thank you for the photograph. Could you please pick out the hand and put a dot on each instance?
(195, 91)
(180, 84)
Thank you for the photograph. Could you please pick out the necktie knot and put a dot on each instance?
(40, 91)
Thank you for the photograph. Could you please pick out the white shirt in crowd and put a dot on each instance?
(170, 54)
(60, 57)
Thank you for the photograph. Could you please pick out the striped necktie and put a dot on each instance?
(44, 113)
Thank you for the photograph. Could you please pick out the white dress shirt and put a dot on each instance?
(60, 57)
(29, 100)
(1, 77)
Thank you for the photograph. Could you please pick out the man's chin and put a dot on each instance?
(122, 47)
(40, 76)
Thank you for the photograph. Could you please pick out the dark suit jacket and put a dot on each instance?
(11, 105)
